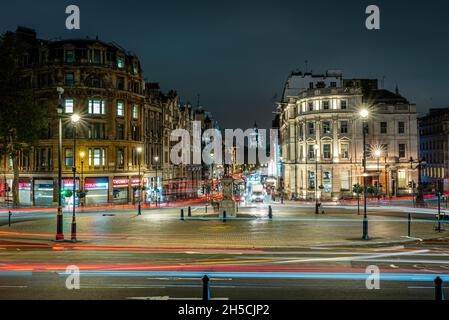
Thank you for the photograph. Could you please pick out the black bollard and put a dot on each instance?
(182, 214)
(190, 211)
(270, 212)
(409, 225)
(224, 216)
(9, 218)
(206, 289)
(206, 208)
(439, 296)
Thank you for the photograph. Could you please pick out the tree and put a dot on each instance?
(22, 119)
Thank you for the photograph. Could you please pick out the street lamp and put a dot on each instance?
(316, 148)
(75, 119)
(59, 216)
(82, 155)
(364, 114)
(139, 209)
(156, 160)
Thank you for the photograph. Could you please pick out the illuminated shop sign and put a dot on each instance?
(24, 185)
(97, 184)
(120, 182)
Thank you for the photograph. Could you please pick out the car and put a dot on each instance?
(257, 197)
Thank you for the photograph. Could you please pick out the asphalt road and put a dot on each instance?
(153, 259)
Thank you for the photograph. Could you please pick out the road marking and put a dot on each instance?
(13, 287)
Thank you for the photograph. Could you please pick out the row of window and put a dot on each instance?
(326, 151)
(344, 128)
(97, 157)
(98, 107)
(96, 56)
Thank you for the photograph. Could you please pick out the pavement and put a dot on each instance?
(296, 255)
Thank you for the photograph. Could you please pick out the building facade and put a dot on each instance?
(434, 146)
(122, 138)
(322, 141)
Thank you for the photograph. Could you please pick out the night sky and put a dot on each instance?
(238, 54)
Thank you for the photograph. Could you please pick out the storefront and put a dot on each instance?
(97, 191)
(43, 192)
(25, 194)
(154, 190)
(67, 192)
(120, 190)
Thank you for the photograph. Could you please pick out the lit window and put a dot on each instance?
(97, 157)
(68, 106)
(120, 62)
(68, 157)
(97, 107)
(120, 109)
(135, 111)
(311, 180)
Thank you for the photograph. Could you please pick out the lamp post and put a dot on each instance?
(156, 160)
(59, 216)
(316, 148)
(139, 208)
(82, 155)
(364, 114)
(75, 119)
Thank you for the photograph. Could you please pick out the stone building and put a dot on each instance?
(321, 128)
(125, 126)
(434, 146)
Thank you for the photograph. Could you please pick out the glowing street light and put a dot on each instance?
(364, 114)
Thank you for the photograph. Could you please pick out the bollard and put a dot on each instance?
(439, 296)
(190, 212)
(206, 208)
(182, 214)
(270, 212)
(409, 225)
(206, 289)
(9, 218)
(224, 216)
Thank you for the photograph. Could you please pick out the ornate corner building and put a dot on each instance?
(322, 138)
(122, 138)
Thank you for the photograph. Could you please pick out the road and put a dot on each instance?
(157, 256)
